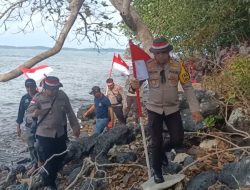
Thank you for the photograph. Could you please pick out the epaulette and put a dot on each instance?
(174, 64)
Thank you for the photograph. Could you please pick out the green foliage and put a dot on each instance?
(211, 120)
(239, 70)
(233, 83)
(197, 24)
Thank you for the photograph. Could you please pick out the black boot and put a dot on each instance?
(158, 178)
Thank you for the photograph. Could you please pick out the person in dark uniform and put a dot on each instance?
(50, 107)
(25, 132)
(163, 105)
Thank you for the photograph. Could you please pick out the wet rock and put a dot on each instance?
(125, 157)
(202, 181)
(236, 175)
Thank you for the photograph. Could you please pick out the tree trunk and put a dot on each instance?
(134, 22)
(75, 6)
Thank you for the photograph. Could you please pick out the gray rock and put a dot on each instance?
(202, 181)
(188, 123)
(239, 119)
(73, 174)
(207, 102)
(171, 168)
(82, 110)
(125, 157)
(118, 136)
(188, 160)
(236, 175)
(97, 147)
(94, 185)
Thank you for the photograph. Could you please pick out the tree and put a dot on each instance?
(197, 24)
(89, 19)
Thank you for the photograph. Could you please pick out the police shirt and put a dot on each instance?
(163, 96)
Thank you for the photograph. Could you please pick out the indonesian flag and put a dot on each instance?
(139, 58)
(120, 65)
(37, 73)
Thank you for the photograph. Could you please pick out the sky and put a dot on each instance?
(40, 37)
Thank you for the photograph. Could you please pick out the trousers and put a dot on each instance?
(176, 133)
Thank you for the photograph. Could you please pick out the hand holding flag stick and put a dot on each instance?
(139, 58)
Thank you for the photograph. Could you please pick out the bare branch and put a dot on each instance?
(75, 6)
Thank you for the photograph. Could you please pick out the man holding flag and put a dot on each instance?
(163, 74)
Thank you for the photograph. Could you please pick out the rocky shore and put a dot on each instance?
(214, 157)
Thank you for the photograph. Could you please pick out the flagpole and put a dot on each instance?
(140, 119)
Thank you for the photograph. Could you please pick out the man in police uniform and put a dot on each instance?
(50, 107)
(162, 105)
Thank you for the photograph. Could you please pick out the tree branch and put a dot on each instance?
(75, 6)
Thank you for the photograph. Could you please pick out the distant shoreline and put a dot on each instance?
(66, 49)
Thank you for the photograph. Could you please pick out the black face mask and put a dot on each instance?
(163, 77)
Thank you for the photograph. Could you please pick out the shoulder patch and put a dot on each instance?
(184, 75)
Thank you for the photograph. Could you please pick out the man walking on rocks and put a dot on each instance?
(49, 108)
(163, 106)
(103, 109)
(27, 134)
(118, 100)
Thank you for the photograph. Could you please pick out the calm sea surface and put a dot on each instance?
(77, 70)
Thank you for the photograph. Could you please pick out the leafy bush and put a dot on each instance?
(239, 69)
(233, 83)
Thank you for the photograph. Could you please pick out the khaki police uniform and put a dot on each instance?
(163, 97)
(118, 108)
(53, 124)
(163, 106)
(111, 94)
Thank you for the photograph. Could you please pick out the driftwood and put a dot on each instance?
(95, 147)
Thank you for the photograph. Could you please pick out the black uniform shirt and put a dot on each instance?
(24, 104)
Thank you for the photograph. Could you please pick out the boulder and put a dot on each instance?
(236, 175)
(202, 181)
(239, 119)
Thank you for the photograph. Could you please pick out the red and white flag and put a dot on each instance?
(139, 58)
(120, 65)
(37, 73)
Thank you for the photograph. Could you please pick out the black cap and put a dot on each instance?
(30, 83)
(95, 89)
